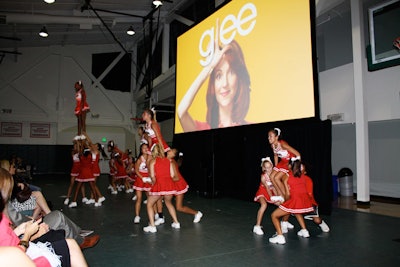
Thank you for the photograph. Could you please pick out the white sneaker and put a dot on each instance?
(114, 192)
(197, 217)
(176, 225)
(145, 202)
(156, 217)
(97, 204)
(277, 239)
(73, 205)
(85, 200)
(101, 199)
(303, 233)
(289, 225)
(90, 201)
(110, 187)
(66, 201)
(159, 221)
(284, 228)
(137, 219)
(257, 230)
(134, 198)
(150, 229)
(324, 227)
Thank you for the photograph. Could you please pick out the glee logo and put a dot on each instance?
(227, 31)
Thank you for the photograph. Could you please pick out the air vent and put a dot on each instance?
(336, 117)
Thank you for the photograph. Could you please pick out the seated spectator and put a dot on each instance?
(65, 252)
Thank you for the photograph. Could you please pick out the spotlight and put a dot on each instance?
(157, 3)
(43, 32)
(130, 31)
(49, 1)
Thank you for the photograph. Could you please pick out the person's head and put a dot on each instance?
(78, 85)
(7, 165)
(266, 165)
(274, 135)
(229, 86)
(144, 149)
(141, 131)
(6, 184)
(110, 146)
(172, 153)
(295, 166)
(148, 115)
(157, 151)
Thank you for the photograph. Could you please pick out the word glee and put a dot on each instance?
(227, 31)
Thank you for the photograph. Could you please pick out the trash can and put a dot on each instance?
(345, 177)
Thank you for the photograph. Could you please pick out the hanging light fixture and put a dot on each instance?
(49, 1)
(157, 3)
(130, 31)
(43, 32)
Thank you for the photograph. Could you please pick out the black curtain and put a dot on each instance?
(226, 162)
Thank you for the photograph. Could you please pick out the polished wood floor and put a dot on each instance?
(376, 207)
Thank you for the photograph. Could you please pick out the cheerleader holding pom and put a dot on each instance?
(264, 193)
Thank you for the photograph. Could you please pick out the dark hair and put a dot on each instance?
(235, 58)
(140, 149)
(295, 165)
(150, 112)
(277, 132)
(100, 147)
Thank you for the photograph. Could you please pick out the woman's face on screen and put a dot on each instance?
(226, 83)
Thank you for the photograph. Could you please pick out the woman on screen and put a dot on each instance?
(228, 93)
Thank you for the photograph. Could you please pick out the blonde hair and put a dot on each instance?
(5, 164)
(157, 151)
(6, 183)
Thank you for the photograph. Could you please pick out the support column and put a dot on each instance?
(362, 144)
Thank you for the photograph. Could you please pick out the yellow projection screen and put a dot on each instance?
(249, 62)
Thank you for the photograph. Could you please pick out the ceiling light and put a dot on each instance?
(157, 3)
(43, 32)
(49, 1)
(130, 31)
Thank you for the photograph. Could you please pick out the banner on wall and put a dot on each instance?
(40, 130)
(11, 129)
(249, 62)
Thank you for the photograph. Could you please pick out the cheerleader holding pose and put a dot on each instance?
(153, 130)
(96, 149)
(82, 107)
(163, 175)
(181, 187)
(76, 166)
(86, 176)
(314, 216)
(265, 191)
(121, 176)
(283, 151)
(143, 181)
(298, 203)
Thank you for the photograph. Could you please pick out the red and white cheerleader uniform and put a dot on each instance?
(284, 155)
(79, 97)
(96, 166)
(164, 184)
(262, 191)
(120, 170)
(144, 172)
(181, 185)
(154, 140)
(76, 165)
(86, 173)
(299, 201)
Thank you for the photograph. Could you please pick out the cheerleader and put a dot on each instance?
(81, 107)
(96, 149)
(142, 182)
(76, 165)
(283, 152)
(314, 215)
(86, 176)
(152, 128)
(162, 176)
(181, 186)
(264, 193)
(130, 171)
(298, 203)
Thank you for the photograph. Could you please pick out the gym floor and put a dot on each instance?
(224, 236)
